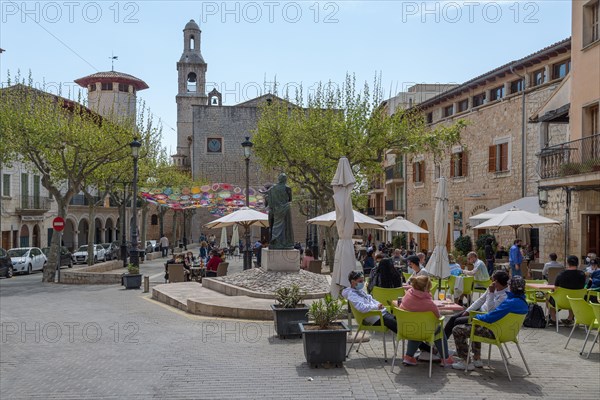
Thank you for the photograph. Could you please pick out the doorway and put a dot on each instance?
(423, 237)
(593, 233)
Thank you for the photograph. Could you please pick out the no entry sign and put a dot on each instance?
(58, 224)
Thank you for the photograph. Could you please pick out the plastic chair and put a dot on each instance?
(553, 273)
(505, 330)
(561, 302)
(531, 294)
(406, 276)
(434, 286)
(176, 273)
(386, 295)
(222, 269)
(483, 286)
(362, 326)
(596, 310)
(474, 313)
(419, 326)
(584, 315)
(315, 266)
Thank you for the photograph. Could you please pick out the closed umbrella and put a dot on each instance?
(516, 218)
(438, 264)
(235, 239)
(223, 242)
(345, 262)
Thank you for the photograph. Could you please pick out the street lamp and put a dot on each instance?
(135, 152)
(247, 145)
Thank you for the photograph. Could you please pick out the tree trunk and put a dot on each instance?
(174, 233)
(144, 223)
(49, 271)
(91, 229)
(161, 217)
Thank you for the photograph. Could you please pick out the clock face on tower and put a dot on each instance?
(214, 145)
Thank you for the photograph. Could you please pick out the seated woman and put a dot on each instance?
(213, 263)
(514, 303)
(368, 263)
(414, 265)
(418, 299)
(385, 275)
(308, 257)
(455, 268)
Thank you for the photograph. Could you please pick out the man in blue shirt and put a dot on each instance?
(515, 258)
(515, 303)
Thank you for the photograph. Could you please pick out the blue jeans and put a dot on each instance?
(441, 344)
(514, 271)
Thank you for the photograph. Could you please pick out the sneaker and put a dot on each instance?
(448, 362)
(551, 322)
(478, 363)
(452, 353)
(408, 360)
(424, 356)
(566, 322)
(461, 365)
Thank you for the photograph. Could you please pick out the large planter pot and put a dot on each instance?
(287, 320)
(324, 346)
(132, 281)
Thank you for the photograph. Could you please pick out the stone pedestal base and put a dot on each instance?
(280, 260)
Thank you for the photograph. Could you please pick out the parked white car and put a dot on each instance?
(27, 259)
(81, 255)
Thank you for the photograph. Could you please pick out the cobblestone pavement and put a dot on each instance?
(103, 342)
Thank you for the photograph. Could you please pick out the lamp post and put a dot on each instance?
(135, 152)
(247, 146)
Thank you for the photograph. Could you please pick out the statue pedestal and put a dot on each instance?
(280, 260)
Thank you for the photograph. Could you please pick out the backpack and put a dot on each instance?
(535, 317)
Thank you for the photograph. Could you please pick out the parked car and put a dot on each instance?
(6, 267)
(111, 251)
(27, 259)
(65, 256)
(81, 255)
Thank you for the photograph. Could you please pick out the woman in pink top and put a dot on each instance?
(308, 257)
(418, 299)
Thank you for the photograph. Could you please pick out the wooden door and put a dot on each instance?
(593, 234)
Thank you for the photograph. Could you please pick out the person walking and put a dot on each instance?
(515, 258)
(164, 246)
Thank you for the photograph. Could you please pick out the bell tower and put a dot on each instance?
(191, 90)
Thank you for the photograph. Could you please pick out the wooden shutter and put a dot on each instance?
(492, 159)
(415, 166)
(422, 171)
(465, 164)
(452, 174)
(504, 157)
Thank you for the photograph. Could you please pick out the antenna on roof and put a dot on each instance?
(112, 61)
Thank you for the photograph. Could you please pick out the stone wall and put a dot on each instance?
(95, 274)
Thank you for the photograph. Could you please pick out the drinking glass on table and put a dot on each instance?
(442, 296)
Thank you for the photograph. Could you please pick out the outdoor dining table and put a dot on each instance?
(196, 273)
(445, 307)
(542, 287)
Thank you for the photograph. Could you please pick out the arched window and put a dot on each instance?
(191, 82)
(192, 43)
(214, 101)
(154, 219)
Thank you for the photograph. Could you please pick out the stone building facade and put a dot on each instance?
(486, 171)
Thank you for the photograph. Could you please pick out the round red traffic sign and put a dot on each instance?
(58, 224)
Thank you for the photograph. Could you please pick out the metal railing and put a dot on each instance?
(374, 211)
(34, 203)
(570, 158)
(393, 173)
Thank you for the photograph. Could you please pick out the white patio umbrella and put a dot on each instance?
(244, 217)
(361, 221)
(345, 262)
(438, 264)
(235, 239)
(400, 224)
(223, 242)
(516, 218)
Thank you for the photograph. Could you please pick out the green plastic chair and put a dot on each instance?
(584, 315)
(474, 313)
(596, 310)
(562, 302)
(434, 286)
(505, 330)
(484, 284)
(362, 326)
(531, 294)
(406, 276)
(419, 326)
(386, 295)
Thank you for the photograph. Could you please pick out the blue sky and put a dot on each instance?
(298, 42)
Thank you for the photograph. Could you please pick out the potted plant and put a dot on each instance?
(288, 311)
(325, 340)
(133, 279)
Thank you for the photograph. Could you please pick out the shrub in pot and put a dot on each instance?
(288, 311)
(132, 279)
(325, 339)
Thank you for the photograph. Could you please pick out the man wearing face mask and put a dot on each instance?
(515, 258)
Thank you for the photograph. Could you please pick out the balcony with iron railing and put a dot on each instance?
(576, 157)
(33, 205)
(375, 211)
(393, 174)
(376, 185)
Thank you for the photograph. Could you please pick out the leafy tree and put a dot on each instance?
(64, 141)
(463, 245)
(306, 138)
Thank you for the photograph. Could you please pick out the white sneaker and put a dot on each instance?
(478, 363)
(424, 356)
(452, 353)
(461, 365)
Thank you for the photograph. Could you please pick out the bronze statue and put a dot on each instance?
(279, 201)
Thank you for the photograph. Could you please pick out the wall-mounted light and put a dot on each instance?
(543, 197)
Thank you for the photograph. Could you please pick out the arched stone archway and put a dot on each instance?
(84, 227)
(24, 236)
(35, 236)
(108, 231)
(97, 231)
(424, 237)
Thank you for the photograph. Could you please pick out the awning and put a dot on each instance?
(530, 204)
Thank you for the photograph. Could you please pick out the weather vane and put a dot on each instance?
(112, 61)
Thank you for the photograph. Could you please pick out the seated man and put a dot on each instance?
(551, 264)
(491, 299)
(571, 278)
(515, 303)
(415, 267)
(479, 272)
